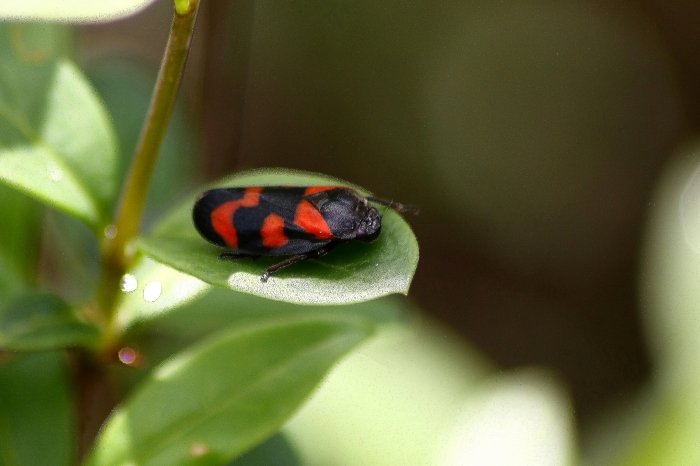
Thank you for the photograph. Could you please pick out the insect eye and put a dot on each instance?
(370, 227)
(373, 235)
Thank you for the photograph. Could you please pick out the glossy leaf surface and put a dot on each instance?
(56, 140)
(69, 10)
(221, 397)
(20, 219)
(186, 306)
(151, 288)
(43, 321)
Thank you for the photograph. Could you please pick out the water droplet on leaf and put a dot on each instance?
(152, 291)
(128, 283)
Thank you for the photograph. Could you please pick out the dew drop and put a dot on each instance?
(152, 291)
(111, 231)
(128, 283)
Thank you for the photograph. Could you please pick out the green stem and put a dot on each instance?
(115, 255)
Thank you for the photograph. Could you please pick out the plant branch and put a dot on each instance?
(115, 256)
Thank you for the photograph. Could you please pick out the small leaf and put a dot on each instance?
(36, 412)
(72, 250)
(20, 220)
(352, 272)
(43, 321)
(19, 237)
(220, 398)
(70, 10)
(56, 141)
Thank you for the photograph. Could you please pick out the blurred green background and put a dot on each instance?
(532, 134)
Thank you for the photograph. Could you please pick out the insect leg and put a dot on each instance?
(280, 265)
(395, 205)
(230, 255)
(294, 259)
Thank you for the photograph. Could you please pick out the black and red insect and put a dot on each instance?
(300, 222)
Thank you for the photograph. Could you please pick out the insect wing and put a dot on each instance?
(261, 220)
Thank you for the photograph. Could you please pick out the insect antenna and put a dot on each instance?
(401, 208)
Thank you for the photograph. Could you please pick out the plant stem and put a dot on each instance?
(115, 256)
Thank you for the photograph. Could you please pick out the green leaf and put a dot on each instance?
(20, 219)
(352, 272)
(406, 384)
(56, 140)
(43, 321)
(72, 250)
(220, 308)
(36, 412)
(275, 450)
(660, 430)
(70, 10)
(188, 310)
(666, 432)
(187, 306)
(218, 399)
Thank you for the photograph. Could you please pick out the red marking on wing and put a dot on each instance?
(311, 221)
(272, 232)
(222, 216)
(317, 189)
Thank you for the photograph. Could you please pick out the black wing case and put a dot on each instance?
(257, 221)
